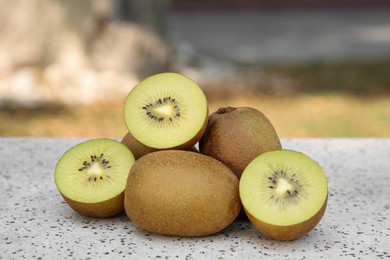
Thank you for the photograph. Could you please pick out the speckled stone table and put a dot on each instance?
(35, 223)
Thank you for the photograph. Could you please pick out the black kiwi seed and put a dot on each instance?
(104, 163)
(159, 102)
(291, 194)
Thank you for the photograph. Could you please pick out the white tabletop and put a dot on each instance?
(35, 223)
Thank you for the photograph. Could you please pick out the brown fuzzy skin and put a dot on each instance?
(235, 136)
(104, 209)
(139, 149)
(136, 147)
(286, 233)
(181, 193)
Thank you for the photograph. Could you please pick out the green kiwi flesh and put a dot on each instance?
(284, 194)
(166, 111)
(235, 136)
(181, 193)
(92, 175)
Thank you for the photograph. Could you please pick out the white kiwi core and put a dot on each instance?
(283, 188)
(95, 170)
(165, 111)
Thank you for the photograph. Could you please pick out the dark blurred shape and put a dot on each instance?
(279, 51)
(236, 5)
(151, 13)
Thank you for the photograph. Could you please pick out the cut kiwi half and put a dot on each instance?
(284, 194)
(166, 111)
(92, 175)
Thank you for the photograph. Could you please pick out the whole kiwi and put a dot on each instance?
(139, 149)
(135, 147)
(181, 193)
(235, 136)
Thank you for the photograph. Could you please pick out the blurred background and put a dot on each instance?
(318, 68)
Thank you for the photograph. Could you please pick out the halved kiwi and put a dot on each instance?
(284, 194)
(166, 111)
(92, 175)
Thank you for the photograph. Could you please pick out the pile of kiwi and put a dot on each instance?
(167, 186)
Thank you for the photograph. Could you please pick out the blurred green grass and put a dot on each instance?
(361, 78)
(328, 100)
(303, 115)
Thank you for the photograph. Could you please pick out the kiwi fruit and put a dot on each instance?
(135, 147)
(235, 136)
(91, 177)
(181, 193)
(140, 150)
(166, 111)
(284, 194)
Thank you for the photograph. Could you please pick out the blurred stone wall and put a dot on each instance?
(69, 52)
